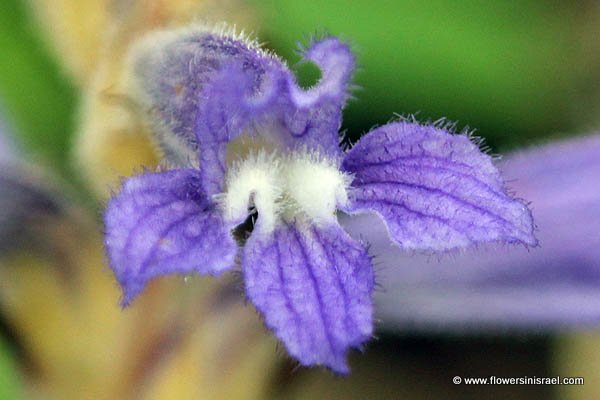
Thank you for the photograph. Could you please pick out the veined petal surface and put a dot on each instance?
(495, 288)
(435, 190)
(162, 223)
(313, 287)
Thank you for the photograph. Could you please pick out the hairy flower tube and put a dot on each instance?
(244, 141)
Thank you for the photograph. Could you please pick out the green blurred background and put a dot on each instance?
(512, 69)
(516, 70)
(39, 101)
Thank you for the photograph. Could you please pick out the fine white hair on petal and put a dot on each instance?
(255, 181)
(316, 185)
(164, 73)
(301, 184)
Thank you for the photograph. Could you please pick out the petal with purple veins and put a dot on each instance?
(435, 190)
(496, 287)
(162, 223)
(313, 286)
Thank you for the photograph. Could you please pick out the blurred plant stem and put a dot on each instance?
(578, 355)
(589, 49)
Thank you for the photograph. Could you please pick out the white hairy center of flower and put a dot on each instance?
(299, 184)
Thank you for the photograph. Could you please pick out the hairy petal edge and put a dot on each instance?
(162, 223)
(313, 287)
(435, 190)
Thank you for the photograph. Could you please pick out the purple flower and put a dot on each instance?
(244, 141)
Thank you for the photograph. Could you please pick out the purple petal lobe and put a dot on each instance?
(494, 287)
(313, 286)
(160, 224)
(336, 62)
(313, 117)
(435, 190)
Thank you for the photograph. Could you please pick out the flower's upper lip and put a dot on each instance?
(221, 94)
(304, 119)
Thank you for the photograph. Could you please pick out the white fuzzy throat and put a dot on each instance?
(299, 184)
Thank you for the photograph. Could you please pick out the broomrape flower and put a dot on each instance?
(244, 142)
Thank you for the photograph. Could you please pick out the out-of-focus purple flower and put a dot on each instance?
(245, 141)
(26, 197)
(554, 286)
